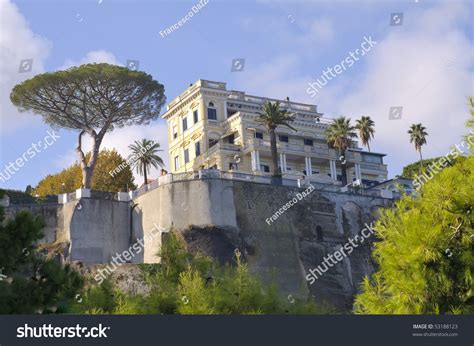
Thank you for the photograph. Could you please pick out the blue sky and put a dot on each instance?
(424, 65)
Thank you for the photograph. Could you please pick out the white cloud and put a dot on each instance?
(17, 42)
(318, 31)
(96, 56)
(427, 71)
(424, 66)
(274, 79)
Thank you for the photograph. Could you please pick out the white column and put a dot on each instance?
(254, 160)
(309, 168)
(357, 172)
(332, 166)
(283, 162)
(257, 160)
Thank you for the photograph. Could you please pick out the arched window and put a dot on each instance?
(319, 233)
(211, 111)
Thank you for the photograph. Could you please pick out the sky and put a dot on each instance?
(421, 59)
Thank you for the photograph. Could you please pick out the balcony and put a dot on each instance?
(257, 143)
(223, 146)
(300, 148)
(374, 167)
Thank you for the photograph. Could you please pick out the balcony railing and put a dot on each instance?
(319, 182)
(374, 166)
(223, 146)
(257, 142)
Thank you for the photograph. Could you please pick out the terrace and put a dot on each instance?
(205, 174)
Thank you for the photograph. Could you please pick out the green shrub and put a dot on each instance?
(98, 299)
(426, 250)
(34, 284)
(194, 284)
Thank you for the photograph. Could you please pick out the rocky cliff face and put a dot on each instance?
(216, 217)
(297, 241)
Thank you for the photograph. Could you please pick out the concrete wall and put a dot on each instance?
(92, 229)
(98, 229)
(51, 214)
(179, 205)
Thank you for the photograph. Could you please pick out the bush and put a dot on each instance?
(194, 284)
(33, 283)
(426, 250)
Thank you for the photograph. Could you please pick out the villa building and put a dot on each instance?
(212, 127)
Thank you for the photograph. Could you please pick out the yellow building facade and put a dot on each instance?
(212, 127)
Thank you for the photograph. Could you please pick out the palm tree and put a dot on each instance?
(339, 135)
(273, 116)
(418, 135)
(365, 125)
(144, 156)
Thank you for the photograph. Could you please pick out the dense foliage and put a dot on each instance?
(426, 249)
(92, 99)
(413, 169)
(20, 197)
(71, 177)
(426, 255)
(193, 284)
(30, 283)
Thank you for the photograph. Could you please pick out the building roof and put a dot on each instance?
(238, 97)
(366, 152)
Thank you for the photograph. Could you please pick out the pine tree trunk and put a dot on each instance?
(88, 167)
(86, 176)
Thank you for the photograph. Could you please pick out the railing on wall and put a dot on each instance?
(227, 175)
(231, 175)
